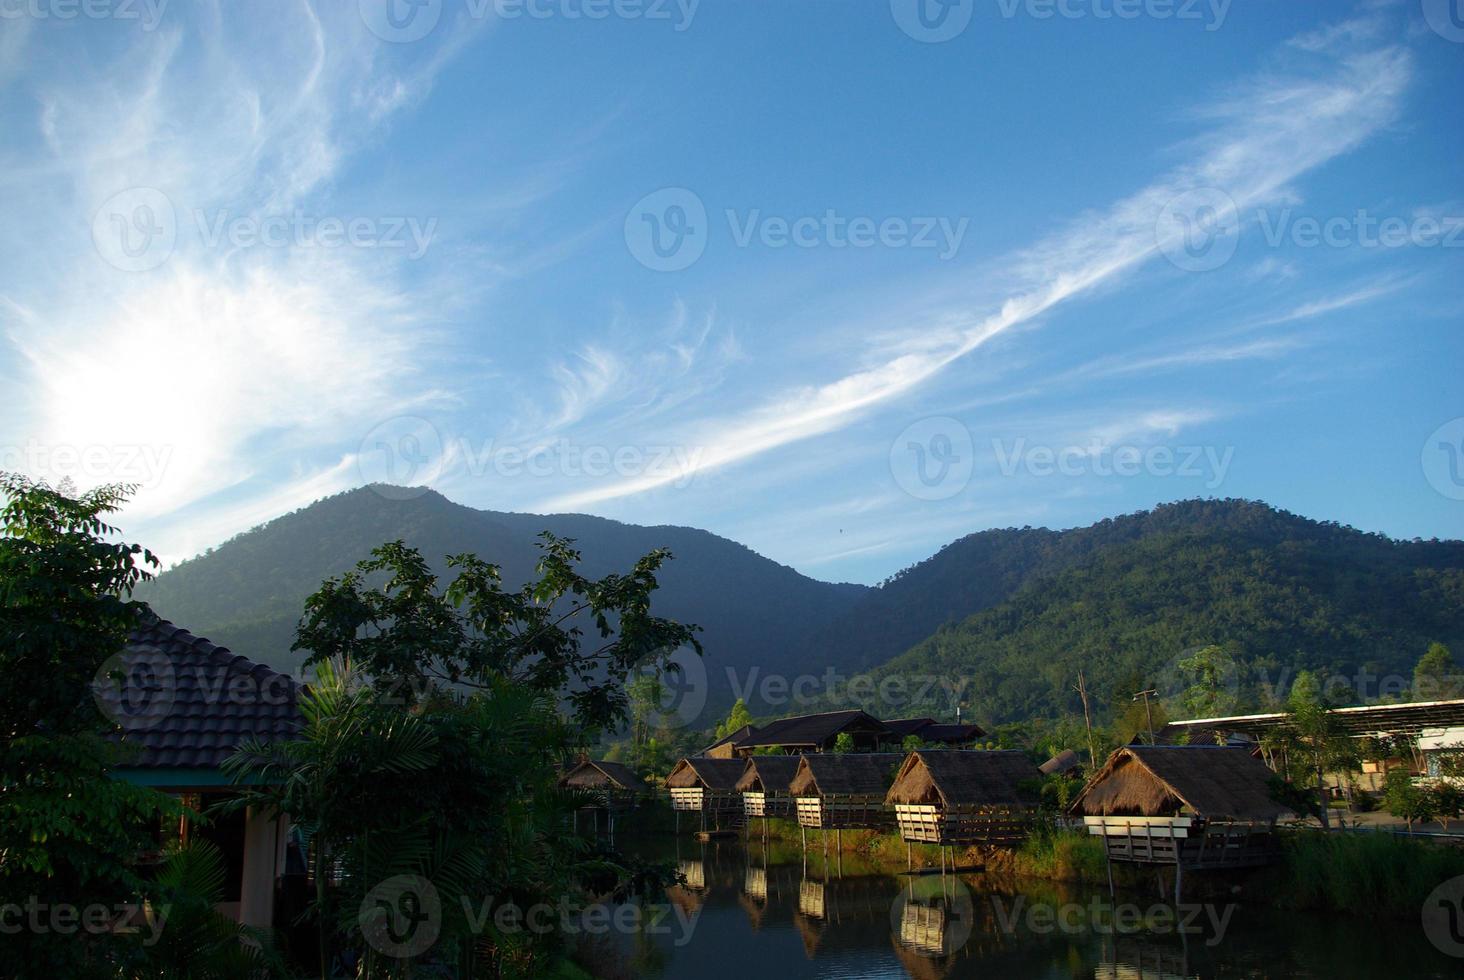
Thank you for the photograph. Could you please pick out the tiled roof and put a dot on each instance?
(186, 703)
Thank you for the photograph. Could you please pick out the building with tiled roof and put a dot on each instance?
(185, 704)
(182, 706)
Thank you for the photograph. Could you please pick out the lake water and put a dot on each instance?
(759, 913)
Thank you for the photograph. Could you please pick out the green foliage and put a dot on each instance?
(1436, 677)
(195, 940)
(69, 832)
(739, 717)
(458, 792)
(1366, 874)
(247, 594)
(844, 743)
(64, 606)
(1122, 599)
(1405, 800)
(408, 635)
(1446, 799)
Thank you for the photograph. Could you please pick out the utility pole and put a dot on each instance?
(1148, 711)
(1088, 723)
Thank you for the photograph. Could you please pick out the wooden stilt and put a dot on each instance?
(1178, 882)
(909, 857)
(1108, 860)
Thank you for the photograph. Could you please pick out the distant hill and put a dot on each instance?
(1124, 598)
(1012, 614)
(248, 593)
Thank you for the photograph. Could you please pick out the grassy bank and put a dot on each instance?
(1361, 873)
(1365, 874)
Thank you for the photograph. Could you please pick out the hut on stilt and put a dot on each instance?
(950, 797)
(613, 785)
(1194, 807)
(764, 785)
(708, 787)
(834, 791)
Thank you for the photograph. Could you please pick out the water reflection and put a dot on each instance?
(760, 912)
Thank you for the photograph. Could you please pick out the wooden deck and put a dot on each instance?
(921, 823)
(767, 804)
(834, 812)
(1195, 844)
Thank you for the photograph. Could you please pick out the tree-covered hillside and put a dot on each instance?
(248, 593)
(1131, 596)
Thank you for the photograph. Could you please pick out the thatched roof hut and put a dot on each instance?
(1211, 782)
(1191, 806)
(848, 774)
(768, 774)
(764, 785)
(705, 785)
(602, 775)
(951, 778)
(832, 791)
(719, 775)
(950, 796)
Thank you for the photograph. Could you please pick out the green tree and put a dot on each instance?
(1212, 673)
(844, 743)
(458, 792)
(1447, 800)
(1436, 677)
(1317, 743)
(408, 635)
(69, 832)
(739, 717)
(1405, 800)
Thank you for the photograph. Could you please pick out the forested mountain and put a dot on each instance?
(1128, 597)
(247, 594)
(1011, 615)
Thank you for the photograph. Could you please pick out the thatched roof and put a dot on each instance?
(768, 773)
(849, 774)
(600, 775)
(954, 777)
(1212, 781)
(1065, 761)
(716, 774)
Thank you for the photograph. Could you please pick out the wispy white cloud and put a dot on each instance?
(1265, 134)
(240, 366)
(1336, 303)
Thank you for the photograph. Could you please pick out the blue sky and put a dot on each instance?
(811, 275)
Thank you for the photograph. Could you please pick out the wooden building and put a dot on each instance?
(948, 796)
(708, 787)
(613, 785)
(1188, 806)
(806, 733)
(834, 791)
(956, 736)
(764, 785)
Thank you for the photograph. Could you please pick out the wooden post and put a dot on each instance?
(1108, 860)
(1178, 880)
(1088, 722)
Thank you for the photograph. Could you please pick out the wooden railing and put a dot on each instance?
(921, 823)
